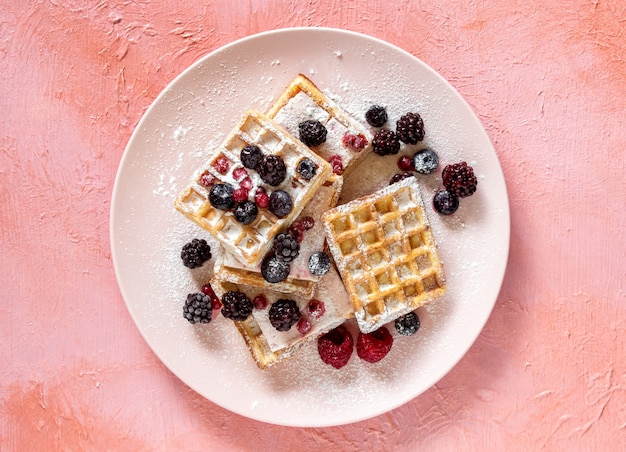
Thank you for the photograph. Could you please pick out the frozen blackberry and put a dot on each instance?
(236, 305)
(197, 308)
(246, 212)
(286, 247)
(445, 202)
(319, 263)
(306, 169)
(274, 270)
(459, 179)
(221, 196)
(376, 116)
(410, 128)
(312, 132)
(425, 161)
(280, 203)
(195, 253)
(385, 142)
(251, 156)
(284, 314)
(272, 169)
(408, 324)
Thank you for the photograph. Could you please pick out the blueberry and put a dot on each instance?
(319, 263)
(445, 202)
(306, 169)
(408, 324)
(246, 212)
(425, 161)
(251, 156)
(280, 203)
(274, 270)
(221, 196)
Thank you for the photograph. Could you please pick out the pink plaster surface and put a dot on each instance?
(548, 81)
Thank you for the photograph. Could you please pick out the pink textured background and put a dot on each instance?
(548, 81)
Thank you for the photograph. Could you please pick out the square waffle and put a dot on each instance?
(268, 345)
(249, 243)
(301, 101)
(386, 253)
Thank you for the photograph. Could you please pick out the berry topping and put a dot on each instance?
(373, 347)
(221, 196)
(425, 161)
(399, 176)
(272, 169)
(303, 325)
(336, 164)
(259, 302)
(274, 270)
(236, 305)
(251, 156)
(376, 116)
(306, 169)
(286, 247)
(195, 253)
(206, 179)
(246, 212)
(385, 142)
(240, 194)
(315, 308)
(312, 132)
(261, 198)
(221, 164)
(209, 292)
(405, 163)
(410, 128)
(445, 202)
(354, 142)
(297, 233)
(335, 347)
(319, 263)
(197, 308)
(306, 223)
(240, 173)
(459, 179)
(408, 324)
(246, 184)
(284, 314)
(280, 203)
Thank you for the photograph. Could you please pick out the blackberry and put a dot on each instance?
(312, 132)
(319, 263)
(221, 196)
(236, 305)
(284, 314)
(425, 161)
(445, 202)
(286, 247)
(274, 270)
(306, 169)
(195, 253)
(280, 203)
(376, 116)
(272, 169)
(246, 212)
(197, 308)
(408, 324)
(459, 179)
(251, 156)
(385, 142)
(410, 128)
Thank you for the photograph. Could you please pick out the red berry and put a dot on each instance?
(303, 325)
(356, 142)
(336, 164)
(315, 308)
(307, 223)
(221, 164)
(261, 198)
(373, 347)
(405, 163)
(297, 233)
(206, 179)
(335, 347)
(260, 302)
(246, 183)
(209, 292)
(240, 173)
(240, 194)
(399, 176)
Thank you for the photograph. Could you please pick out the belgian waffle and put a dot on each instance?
(269, 346)
(301, 101)
(300, 280)
(386, 253)
(249, 243)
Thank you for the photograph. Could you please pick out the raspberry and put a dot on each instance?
(209, 292)
(236, 305)
(385, 142)
(272, 169)
(251, 156)
(221, 196)
(410, 128)
(319, 263)
(286, 247)
(335, 347)
(459, 179)
(221, 164)
(298, 234)
(280, 203)
(445, 202)
(284, 314)
(303, 325)
(195, 253)
(408, 324)
(240, 194)
(261, 198)
(246, 184)
(240, 173)
(274, 270)
(399, 176)
(197, 308)
(312, 132)
(259, 302)
(354, 142)
(306, 169)
(425, 161)
(315, 308)
(405, 163)
(376, 116)
(206, 179)
(337, 164)
(373, 347)
(246, 212)
(307, 223)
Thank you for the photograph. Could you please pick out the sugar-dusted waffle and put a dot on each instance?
(300, 280)
(347, 141)
(268, 345)
(250, 242)
(386, 253)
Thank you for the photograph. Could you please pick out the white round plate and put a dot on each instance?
(196, 111)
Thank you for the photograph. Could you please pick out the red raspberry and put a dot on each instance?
(259, 302)
(315, 308)
(303, 325)
(399, 176)
(261, 198)
(405, 163)
(335, 347)
(373, 347)
(209, 292)
(206, 179)
(240, 194)
(306, 223)
(336, 164)
(240, 173)
(356, 142)
(221, 164)
(246, 183)
(296, 232)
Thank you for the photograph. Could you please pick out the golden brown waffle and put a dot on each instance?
(386, 253)
(269, 346)
(301, 101)
(249, 243)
